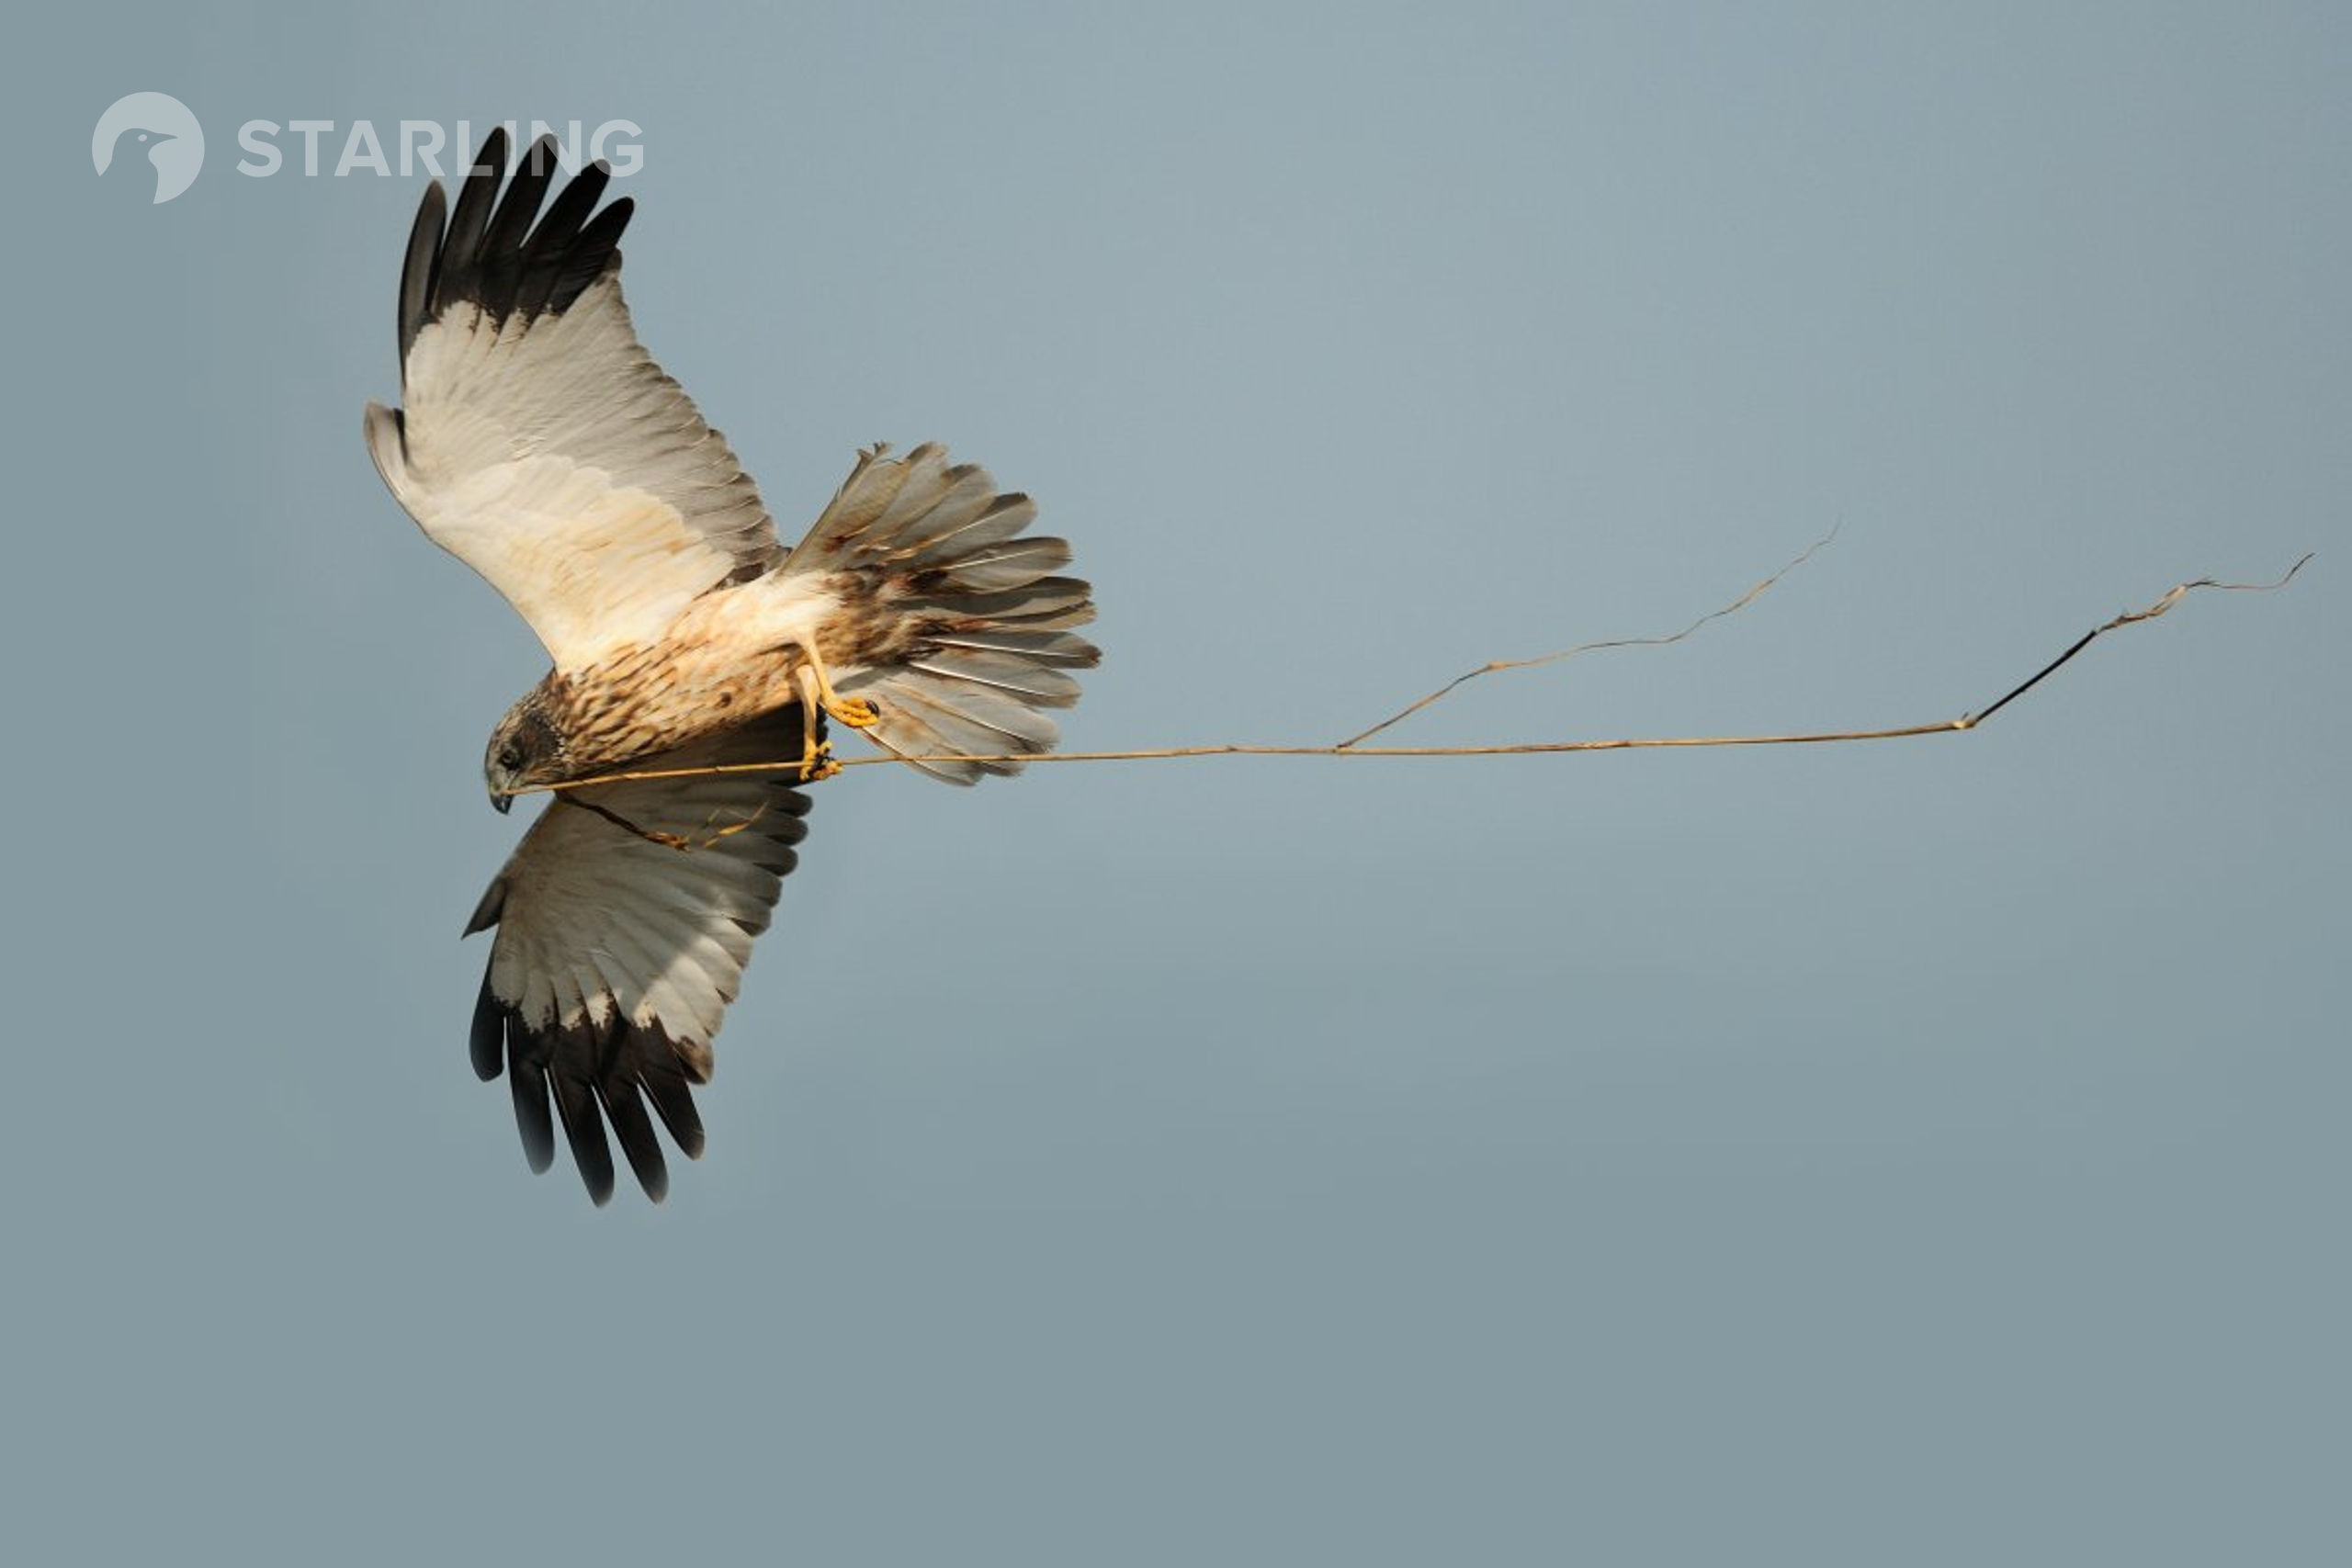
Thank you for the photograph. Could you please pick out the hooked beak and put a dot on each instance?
(503, 802)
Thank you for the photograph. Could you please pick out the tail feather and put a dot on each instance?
(994, 638)
(1043, 647)
(952, 730)
(999, 568)
(935, 502)
(1050, 603)
(1003, 516)
(1014, 674)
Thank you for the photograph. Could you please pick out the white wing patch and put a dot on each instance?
(554, 458)
(594, 917)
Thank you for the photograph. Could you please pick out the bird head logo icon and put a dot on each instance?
(148, 145)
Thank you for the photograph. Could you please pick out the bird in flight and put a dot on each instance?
(537, 442)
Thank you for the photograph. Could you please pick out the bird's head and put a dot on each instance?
(525, 749)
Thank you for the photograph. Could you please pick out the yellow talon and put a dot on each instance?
(818, 764)
(858, 713)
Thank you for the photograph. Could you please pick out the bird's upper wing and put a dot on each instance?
(537, 442)
(616, 954)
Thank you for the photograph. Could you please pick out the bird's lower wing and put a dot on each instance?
(624, 919)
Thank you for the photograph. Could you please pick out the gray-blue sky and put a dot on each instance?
(1924, 1154)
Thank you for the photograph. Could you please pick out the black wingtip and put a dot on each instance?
(664, 1076)
(556, 232)
(490, 254)
(532, 1117)
(583, 1125)
(490, 163)
(630, 1124)
(475, 199)
(502, 259)
(588, 1077)
(487, 1044)
(422, 264)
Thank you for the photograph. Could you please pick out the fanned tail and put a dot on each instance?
(981, 637)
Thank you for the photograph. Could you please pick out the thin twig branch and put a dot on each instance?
(1742, 602)
(2132, 617)
(1349, 749)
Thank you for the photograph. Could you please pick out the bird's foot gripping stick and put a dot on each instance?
(817, 762)
(816, 752)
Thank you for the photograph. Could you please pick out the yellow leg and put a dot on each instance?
(816, 755)
(855, 712)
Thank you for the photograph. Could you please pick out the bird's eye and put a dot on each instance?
(510, 759)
